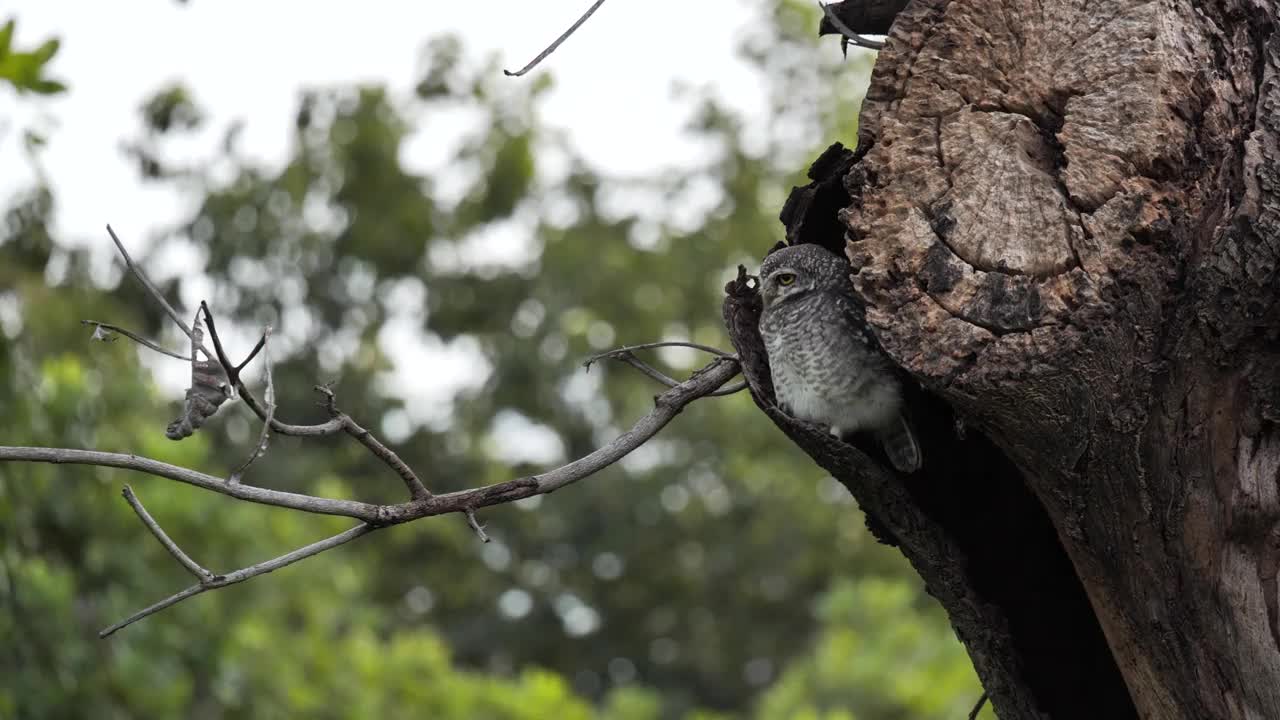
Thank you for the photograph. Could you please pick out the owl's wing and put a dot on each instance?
(898, 438)
(856, 319)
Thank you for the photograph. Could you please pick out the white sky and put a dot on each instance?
(248, 60)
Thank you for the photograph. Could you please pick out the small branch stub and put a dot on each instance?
(476, 526)
(192, 566)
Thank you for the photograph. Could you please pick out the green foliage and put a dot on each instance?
(26, 70)
(679, 583)
(876, 653)
(171, 109)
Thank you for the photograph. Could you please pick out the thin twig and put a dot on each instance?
(139, 273)
(333, 426)
(664, 343)
(233, 371)
(101, 326)
(264, 437)
(262, 341)
(625, 354)
(327, 428)
(232, 374)
(847, 33)
(973, 714)
(239, 576)
(417, 491)
(644, 367)
(192, 566)
(250, 493)
(666, 406)
(476, 526)
(552, 47)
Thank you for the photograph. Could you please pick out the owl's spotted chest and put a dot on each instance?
(823, 369)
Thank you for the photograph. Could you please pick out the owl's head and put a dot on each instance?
(797, 271)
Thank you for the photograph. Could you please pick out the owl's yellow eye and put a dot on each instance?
(786, 279)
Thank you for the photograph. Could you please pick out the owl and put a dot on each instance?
(826, 367)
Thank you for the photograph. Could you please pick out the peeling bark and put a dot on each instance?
(1063, 219)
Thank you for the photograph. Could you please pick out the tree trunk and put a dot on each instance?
(1064, 221)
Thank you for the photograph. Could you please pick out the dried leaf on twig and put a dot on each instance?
(209, 389)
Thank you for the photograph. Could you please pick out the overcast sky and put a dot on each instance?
(247, 60)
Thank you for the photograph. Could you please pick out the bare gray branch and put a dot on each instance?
(323, 429)
(261, 448)
(192, 566)
(293, 501)
(417, 490)
(139, 273)
(552, 47)
(625, 354)
(239, 576)
(666, 406)
(99, 327)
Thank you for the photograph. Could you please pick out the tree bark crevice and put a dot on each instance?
(1064, 227)
(981, 541)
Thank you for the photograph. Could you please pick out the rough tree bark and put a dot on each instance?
(1063, 218)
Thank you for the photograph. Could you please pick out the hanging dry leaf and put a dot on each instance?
(209, 389)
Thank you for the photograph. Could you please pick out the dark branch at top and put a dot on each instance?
(552, 47)
(831, 20)
(871, 17)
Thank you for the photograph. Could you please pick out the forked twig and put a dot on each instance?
(239, 576)
(264, 437)
(625, 354)
(661, 344)
(666, 406)
(233, 371)
(417, 490)
(421, 503)
(552, 47)
(101, 330)
(139, 273)
(192, 566)
(326, 428)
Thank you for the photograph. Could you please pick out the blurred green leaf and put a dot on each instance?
(172, 109)
(48, 87)
(25, 71)
(6, 37)
(46, 51)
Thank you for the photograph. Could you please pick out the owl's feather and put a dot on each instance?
(826, 366)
